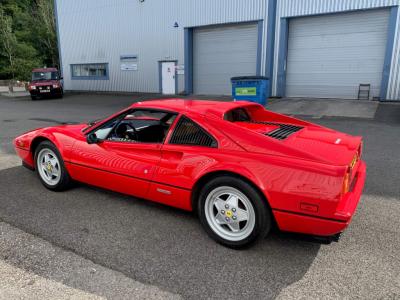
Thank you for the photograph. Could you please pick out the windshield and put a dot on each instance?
(44, 76)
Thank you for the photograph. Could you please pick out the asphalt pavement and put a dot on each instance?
(166, 251)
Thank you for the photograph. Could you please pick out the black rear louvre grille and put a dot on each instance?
(189, 133)
(282, 132)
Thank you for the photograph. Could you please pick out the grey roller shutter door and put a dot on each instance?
(330, 55)
(221, 52)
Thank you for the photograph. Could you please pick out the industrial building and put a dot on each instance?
(308, 48)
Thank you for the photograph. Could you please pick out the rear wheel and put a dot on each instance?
(233, 212)
(50, 167)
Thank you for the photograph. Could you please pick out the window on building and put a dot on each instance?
(89, 71)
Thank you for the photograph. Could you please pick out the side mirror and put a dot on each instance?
(92, 138)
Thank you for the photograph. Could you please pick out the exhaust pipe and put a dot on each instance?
(328, 239)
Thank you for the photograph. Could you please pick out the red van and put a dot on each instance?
(45, 82)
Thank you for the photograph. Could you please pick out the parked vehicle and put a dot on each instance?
(46, 82)
(239, 166)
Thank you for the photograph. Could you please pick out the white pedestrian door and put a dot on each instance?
(168, 77)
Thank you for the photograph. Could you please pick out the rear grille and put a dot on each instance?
(282, 132)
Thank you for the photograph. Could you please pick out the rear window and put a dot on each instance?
(237, 115)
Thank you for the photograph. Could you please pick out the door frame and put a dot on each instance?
(160, 62)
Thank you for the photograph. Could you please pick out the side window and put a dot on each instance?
(188, 132)
(142, 126)
(103, 132)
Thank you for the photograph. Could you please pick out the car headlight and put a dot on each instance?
(32, 87)
(55, 86)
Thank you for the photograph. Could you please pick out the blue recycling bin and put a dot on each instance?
(251, 88)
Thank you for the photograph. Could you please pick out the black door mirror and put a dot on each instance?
(91, 138)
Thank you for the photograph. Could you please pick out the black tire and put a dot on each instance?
(33, 98)
(65, 180)
(263, 217)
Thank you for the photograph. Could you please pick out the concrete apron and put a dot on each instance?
(9, 161)
(17, 283)
(318, 108)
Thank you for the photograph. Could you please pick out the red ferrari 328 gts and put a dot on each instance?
(239, 166)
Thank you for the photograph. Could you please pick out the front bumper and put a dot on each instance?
(26, 156)
(50, 92)
(321, 226)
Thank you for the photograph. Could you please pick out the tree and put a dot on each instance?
(8, 42)
(27, 37)
(47, 30)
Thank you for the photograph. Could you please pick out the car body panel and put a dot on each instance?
(136, 162)
(300, 177)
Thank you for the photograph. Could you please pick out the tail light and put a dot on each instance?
(347, 177)
(346, 181)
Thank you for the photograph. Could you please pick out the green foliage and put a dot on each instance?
(27, 37)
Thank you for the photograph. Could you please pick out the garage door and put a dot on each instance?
(220, 53)
(329, 56)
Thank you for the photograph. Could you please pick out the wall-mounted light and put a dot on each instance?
(176, 25)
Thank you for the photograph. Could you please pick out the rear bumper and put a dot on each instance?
(321, 226)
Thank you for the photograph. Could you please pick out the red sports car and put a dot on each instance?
(240, 167)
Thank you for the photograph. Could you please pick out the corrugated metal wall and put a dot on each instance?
(97, 31)
(291, 8)
(101, 30)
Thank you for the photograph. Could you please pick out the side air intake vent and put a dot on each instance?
(189, 133)
(282, 132)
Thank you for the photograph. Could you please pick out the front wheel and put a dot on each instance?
(50, 167)
(233, 212)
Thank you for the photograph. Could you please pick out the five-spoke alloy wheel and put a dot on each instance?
(233, 212)
(229, 213)
(50, 167)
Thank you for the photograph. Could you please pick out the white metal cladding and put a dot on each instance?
(298, 8)
(100, 31)
(221, 52)
(330, 55)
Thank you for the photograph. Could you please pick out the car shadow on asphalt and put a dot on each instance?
(149, 242)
